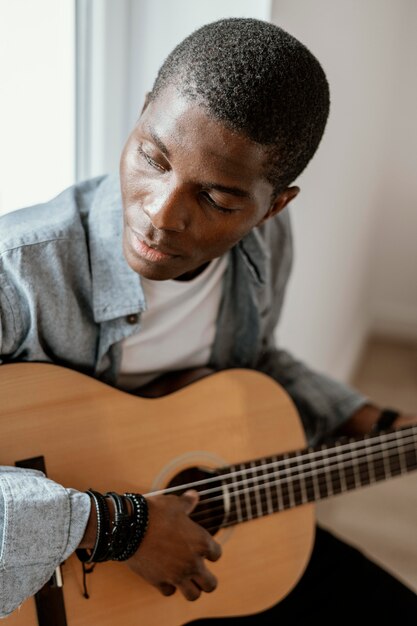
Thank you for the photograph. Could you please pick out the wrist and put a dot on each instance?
(362, 421)
(116, 526)
(370, 419)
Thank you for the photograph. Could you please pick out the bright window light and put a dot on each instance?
(37, 94)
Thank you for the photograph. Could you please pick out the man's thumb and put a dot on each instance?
(190, 499)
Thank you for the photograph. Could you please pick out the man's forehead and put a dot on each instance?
(174, 122)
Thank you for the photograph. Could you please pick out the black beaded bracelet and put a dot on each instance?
(139, 525)
(385, 420)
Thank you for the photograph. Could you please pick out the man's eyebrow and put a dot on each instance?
(158, 141)
(235, 191)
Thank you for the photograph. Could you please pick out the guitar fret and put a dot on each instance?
(396, 466)
(285, 488)
(385, 460)
(332, 477)
(316, 484)
(411, 460)
(256, 490)
(370, 463)
(402, 460)
(327, 476)
(414, 463)
(236, 496)
(303, 487)
(292, 482)
(278, 488)
(297, 479)
(264, 475)
(395, 459)
(269, 502)
(341, 468)
(311, 484)
(355, 465)
(246, 493)
(363, 468)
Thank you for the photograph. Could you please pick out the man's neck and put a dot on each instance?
(193, 273)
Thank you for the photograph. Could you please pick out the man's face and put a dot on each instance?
(191, 188)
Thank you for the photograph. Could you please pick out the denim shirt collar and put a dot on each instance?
(116, 287)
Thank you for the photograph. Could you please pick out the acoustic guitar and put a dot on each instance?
(234, 436)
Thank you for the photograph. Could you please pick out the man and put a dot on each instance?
(186, 268)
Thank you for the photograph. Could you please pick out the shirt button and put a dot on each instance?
(132, 318)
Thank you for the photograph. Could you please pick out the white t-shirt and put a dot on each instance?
(177, 329)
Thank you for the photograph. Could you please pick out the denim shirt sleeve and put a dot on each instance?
(9, 317)
(41, 524)
(323, 403)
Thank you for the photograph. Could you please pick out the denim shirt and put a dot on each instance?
(68, 296)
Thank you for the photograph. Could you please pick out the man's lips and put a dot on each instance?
(149, 250)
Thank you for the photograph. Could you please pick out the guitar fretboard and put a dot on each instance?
(268, 485)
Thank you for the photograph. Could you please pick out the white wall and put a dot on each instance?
(125, 43)
(329, 309)
(395, 264)
(157, 26)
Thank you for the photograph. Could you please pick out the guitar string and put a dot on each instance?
(293, 472)
(233, 522)
(275, 499)
(279, 501)
(367, 442)
(278, 482)
(263, 485)
(378, 464)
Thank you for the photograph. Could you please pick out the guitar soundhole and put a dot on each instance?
(210, 511)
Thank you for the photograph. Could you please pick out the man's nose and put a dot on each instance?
(167, 209)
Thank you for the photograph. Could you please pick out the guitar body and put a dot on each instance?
(92, 435)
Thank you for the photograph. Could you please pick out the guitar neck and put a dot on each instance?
(272, 484)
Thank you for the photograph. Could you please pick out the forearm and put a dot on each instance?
(363, 421)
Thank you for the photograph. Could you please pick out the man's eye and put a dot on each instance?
(149, 160)
(214, 204)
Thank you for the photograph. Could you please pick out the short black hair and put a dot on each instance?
(258, 80)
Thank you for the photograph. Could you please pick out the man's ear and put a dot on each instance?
(280, 202)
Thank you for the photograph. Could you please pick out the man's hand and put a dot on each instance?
(404, 420)
(363, 419)
(173, 552)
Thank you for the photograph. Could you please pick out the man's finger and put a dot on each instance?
(190, 590)
(213, 552)
(207, 582)
(166, 589)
